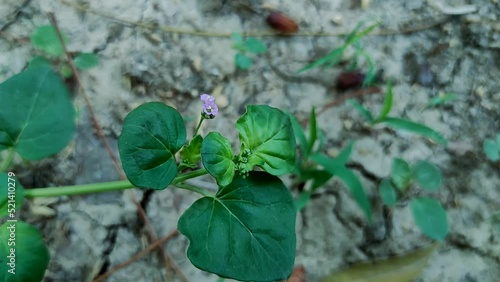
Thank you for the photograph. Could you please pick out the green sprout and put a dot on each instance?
(428, 213)
(250, 45)
(45, 39)
(395, 122)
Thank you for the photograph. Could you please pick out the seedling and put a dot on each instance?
(427, 212)
(45, 39)
(441, 99)
(335, 56)
(395, 122)
(492, 148)
(316, 168)
(243, 47)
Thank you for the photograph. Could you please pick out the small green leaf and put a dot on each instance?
(442, 99)
(387, 193)
(430, 217)
(362, 110)
(31, 255)
(299, 133)
(237, 41)
(242, 61)
(427, 176)
(12, 195)
(491, 149)
(85, 61)
(414, 127)
(254, 45)
(400, 173)
(36, 114)
(267, 132)
(217, 158)
(45, 38)
(39, 61)
(319, 177)
(65, 71)
(246, 232)
(313, 130)
(304, 198)
(191, 154)
(387, 103)
(151, 135)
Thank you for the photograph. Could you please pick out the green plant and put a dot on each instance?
(395, 122)
(316, 168)
(427, 212)
(247, 224)
(441, 99)
(45, 39)
(335, 56)
(245, 46)
(492, 148)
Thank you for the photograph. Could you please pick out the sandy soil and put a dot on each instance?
(88, 235)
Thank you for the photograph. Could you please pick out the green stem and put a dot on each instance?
(198, 126)
(8, 159)
(99, 187)
(194, 189)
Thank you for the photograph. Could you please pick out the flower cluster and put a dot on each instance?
(210, 109)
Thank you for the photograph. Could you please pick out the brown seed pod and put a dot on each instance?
(282, 22)
(349, 80)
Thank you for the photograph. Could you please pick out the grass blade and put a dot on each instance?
(414, 127)
(387, 103)
(362, 110)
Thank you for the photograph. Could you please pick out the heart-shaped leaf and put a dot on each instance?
(217, 158)
(36, 114)
(12, 195)
(267, 132)
(245, 232)
(430, 216)
(24, 258)
(151, 135)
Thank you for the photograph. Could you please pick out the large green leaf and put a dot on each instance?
(36, 114)
(151, 135)
(31, 256)
(268, 134)
(217, 158)
(12, 195)
(245, 232)
(414, 127)
(430, 216)
(427, 176)
(45, 38)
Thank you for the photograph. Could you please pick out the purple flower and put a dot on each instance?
(210, 109)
